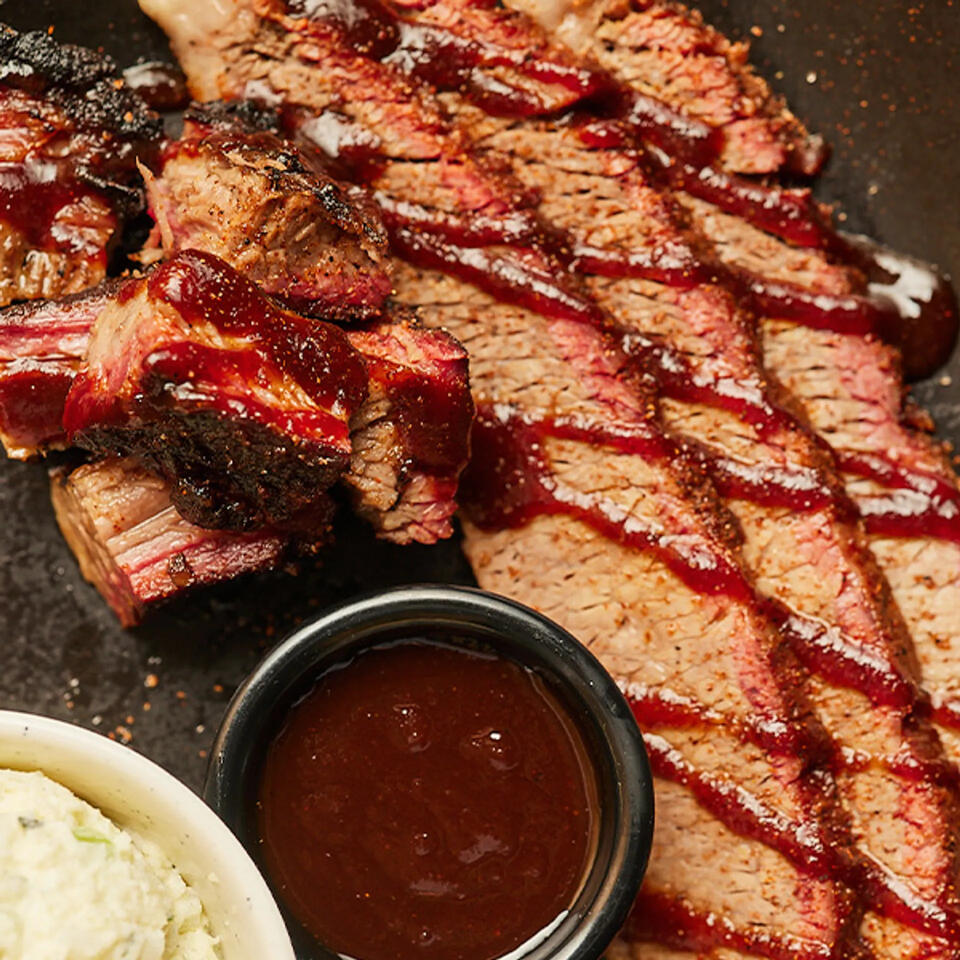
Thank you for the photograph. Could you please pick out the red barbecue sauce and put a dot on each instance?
(425, 800)
(317, 355)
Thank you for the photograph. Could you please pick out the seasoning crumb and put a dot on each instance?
(146, 705)
(202, 754)
(96, 719)
(151, 681)
(756, 30)
(181, 695)
(812, 76)
(200, 728)
(946, 380)
(218, 688)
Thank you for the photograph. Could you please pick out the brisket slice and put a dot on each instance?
(801, 539)
(243, 195)
(72, 133)
(410, 438)
(682, 69)
(242, 406)
(624, 547)
(587, 532)
(134, 546)
(42, 345)
(849, 385)
(900, 478)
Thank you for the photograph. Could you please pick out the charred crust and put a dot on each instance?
(225, 475)
(250, 128)
(244, 116)
(86, 85)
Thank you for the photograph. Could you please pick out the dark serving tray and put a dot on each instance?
(877, 77)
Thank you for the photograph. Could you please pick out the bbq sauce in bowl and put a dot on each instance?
(428, 800)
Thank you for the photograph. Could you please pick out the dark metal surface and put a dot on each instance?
(879, 78)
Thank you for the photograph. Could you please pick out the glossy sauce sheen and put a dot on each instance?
(510, 480)
(315, 354)
(920, 318)
(427, 801)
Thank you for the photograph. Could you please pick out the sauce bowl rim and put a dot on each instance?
(624, 776)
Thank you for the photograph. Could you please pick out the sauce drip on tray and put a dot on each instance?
(427, 800)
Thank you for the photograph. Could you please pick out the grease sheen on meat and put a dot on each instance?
(243, 406)
(71, 136)
(534, 359)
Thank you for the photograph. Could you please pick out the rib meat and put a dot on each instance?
(611, 528)
(242, 406)
(240, 193)
(134, 546)
(71, 133)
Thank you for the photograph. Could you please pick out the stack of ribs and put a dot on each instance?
(229, 393)
(691, 447)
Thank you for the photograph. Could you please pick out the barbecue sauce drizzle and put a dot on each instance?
(908, 303)
(35, 194)
(509, 481)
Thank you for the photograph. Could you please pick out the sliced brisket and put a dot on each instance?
(244, 407)
(849, 385)
(243, 195)
(691, 85)
(72, 134)
(801, 540)
(134, 546)
(610, 528)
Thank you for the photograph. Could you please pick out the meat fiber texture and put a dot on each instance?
(854, 621)
(848, 386)
(242, 406)
(133, 545)
(706, 657)
(42, 346)
(667, 53)
(410, 437)
(243, 195)
(814, 561)
(409, 444)
(68, 177)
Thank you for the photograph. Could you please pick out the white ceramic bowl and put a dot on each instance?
(134, 792)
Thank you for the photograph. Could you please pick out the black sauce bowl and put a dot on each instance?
(593, 700)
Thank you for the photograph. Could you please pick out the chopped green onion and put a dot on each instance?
(88, 835)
